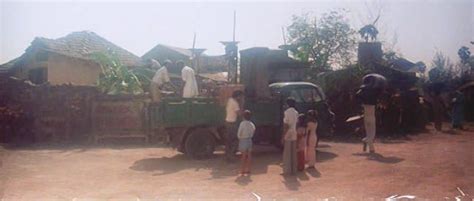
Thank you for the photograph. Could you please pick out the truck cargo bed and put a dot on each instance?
(186, 112)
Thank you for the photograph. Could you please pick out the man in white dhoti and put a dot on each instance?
(190, 89)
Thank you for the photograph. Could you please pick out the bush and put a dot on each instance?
(116, 78)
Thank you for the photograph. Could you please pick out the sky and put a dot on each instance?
(415, 28)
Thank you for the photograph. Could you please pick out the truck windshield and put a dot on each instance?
(305, 95)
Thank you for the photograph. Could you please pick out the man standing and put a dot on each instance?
(368, 94)
(160, 78)
(458, 110)
(289, 137)
(190, 89)
(438, 105)
(232, 113)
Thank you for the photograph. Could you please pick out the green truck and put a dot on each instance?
(195, 126)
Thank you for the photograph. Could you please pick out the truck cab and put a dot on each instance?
(268, 114)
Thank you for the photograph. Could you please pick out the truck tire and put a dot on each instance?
(200, 144)
(279, 146)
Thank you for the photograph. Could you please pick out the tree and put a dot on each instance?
(325, 43)
(442, 70)
(464, 54)
(467, 61)
(116, 78)
(421, 66)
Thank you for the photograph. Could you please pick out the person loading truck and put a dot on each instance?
(161, 80)
(190, 89)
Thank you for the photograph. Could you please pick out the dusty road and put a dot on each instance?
(427, 166)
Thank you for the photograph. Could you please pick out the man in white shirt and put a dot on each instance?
(190, 89)
(289, 137)
(160, 78)
(232, 113)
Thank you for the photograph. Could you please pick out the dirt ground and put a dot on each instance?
(428, 166)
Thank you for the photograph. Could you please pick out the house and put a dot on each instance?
(203, 63)
(66, 60)
(163, 52)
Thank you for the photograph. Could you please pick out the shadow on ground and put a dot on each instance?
(291, 182)
(217, 165)
(324, 146)
(243, 180)
(380, 158)
(81, 147)
(322, 156)
(219, 168)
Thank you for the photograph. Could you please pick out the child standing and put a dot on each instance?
(245, 134)
(301, 141)
(312, 138)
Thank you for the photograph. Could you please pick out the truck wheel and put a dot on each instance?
(200, 144)
(279, 146)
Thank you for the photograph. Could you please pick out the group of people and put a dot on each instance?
(161, 80)
(299, 136)
(371, 90)
(299, 139)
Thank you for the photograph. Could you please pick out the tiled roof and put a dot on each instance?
(182, 51)
(157, 50)
(403, 65)
(207, 63)
(82, 44)
(6, 67)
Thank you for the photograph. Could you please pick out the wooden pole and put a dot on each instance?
(193, 54)
(233, 35)
(283, 35)
(236, 63)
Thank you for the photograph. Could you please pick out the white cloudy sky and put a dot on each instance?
(420, 27)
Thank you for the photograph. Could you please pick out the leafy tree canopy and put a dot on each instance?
(464, 54)
(116, 78)
(325, 42)
(442, 70)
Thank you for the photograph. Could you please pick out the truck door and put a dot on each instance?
(309, 98)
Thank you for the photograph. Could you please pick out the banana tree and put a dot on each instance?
(115, 77)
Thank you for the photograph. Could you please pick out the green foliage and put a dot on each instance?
(144, 75)
(329, 41)
(467, 61)
(464, 54)
(116, 78)
(341, 81)
(470, 62)
(442, 70)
